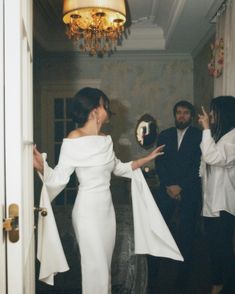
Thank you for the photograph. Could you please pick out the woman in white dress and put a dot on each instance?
(218, 177)
(90, 153)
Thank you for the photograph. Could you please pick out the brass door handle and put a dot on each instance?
(42, 210)
(11, 224)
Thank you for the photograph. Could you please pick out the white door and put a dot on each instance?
(16, 153)
(2, 172)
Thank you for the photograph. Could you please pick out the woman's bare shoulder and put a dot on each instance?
(79, 133)
(74, 134)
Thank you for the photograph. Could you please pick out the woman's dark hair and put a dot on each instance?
(184, 104)
(84, 101)
(223, 108)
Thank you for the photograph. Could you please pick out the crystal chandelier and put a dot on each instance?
(96, 25)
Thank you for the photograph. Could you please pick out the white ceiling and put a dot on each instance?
(164, 26)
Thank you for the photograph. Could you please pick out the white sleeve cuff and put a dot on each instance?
(206, 134)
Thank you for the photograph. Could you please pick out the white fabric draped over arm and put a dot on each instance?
(151, 234)
(56, 179)
(49, 250)
(220, 154)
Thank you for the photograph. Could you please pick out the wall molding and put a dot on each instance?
(144, 55)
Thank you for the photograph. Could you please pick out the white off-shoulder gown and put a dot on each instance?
(93, 215)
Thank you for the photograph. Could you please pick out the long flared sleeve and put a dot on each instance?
(49, 250)
(151, 234)
(56, 179)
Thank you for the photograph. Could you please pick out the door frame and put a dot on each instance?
(18, 142)
(2, 159)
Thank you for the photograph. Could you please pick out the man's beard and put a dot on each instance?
(182, 125)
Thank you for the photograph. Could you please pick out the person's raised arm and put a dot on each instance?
(57, 178)
(143, 160)
(203, 119)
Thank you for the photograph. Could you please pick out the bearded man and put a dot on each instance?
(180, 187)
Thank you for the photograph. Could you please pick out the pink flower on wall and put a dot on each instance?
(216, 64)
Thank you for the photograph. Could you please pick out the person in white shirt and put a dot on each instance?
(218, 177)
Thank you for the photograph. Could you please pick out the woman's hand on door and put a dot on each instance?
(37, 160)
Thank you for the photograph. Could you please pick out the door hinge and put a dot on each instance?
(11, 224)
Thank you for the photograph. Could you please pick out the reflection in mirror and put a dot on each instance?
(146, 131)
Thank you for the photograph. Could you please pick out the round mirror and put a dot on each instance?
(146, 131)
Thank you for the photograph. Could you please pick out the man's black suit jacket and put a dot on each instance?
(180, 167)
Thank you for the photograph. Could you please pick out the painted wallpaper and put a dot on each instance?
(135, 84)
